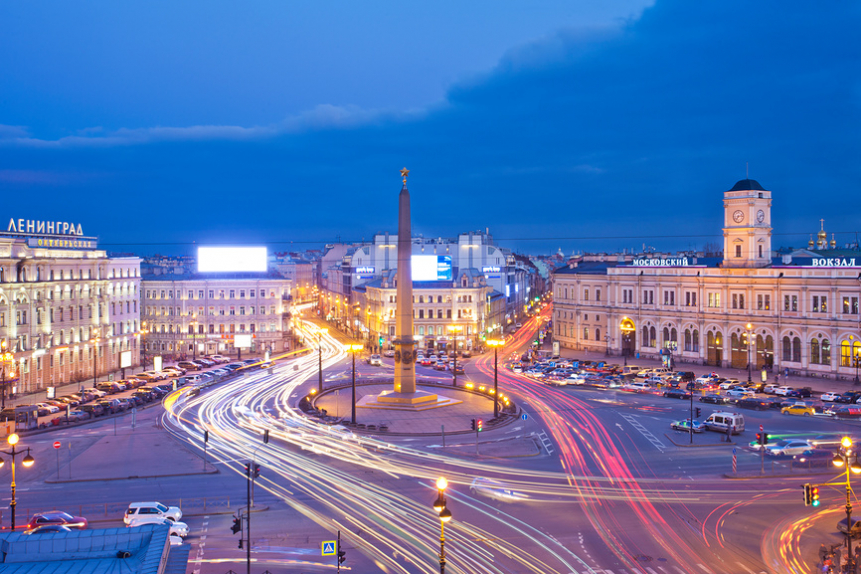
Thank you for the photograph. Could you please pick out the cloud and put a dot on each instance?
(323, 117)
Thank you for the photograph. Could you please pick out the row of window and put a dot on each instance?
(213, 311)
(213, 329)
(25, 274)
(818, 303)
(430, 299)
(222, 293)
(431, 330)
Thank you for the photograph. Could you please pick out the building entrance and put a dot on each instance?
(713, 346)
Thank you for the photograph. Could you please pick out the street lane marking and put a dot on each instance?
(656, 442)
(746, 568)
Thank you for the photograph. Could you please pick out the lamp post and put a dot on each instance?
(496, 344)
(320, 334)
(193, 334)
(749, 334)
(28, 461)
(6, 361)
(444, 516)
(857, 359)
(454, 330)
(353, 349)
(143, 342)
(95, 341)
(842, 459)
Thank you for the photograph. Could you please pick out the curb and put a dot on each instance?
(52, 428)
(73, 480)
(699, 445)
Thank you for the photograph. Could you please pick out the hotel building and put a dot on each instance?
(67, 309)
(796, 312)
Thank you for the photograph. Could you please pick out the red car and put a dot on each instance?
(58, 517)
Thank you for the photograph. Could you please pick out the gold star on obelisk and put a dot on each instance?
(404, 173)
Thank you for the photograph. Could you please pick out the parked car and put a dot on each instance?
(93, 409)
(137, 510)
(782, 391)
(730, 384)
(77, 415)
(51, 409)
(188, 365)
(685, 425)
(802, 393)
(176, 528)
(798, 409)
(752, 403)
(389, 353)
(829, 397)
(58, 517)
(769, 389)
(848, 397)
(218, 358)
(47, 529)
(740, 393)
(847, 412)
(458, 370)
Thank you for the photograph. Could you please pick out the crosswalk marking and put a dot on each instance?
(656, 442)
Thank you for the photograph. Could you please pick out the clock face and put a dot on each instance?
(738, 216)
(760, 216)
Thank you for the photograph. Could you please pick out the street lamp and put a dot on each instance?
(495, 343)
(7, 359)
(28, 461)
(444, 516)
(353, 349)
(320, 334)
(143, 342)
(842, 459)
(454, 330)
(749, 334)
(857, 359)
(95, 341)
(193, 335)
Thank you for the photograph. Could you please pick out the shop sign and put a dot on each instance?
(490, 270)
(672, 262)
(834, 262)
(364, 270)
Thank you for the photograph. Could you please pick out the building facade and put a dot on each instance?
(201, 314)
(798, 311)
(67, 310)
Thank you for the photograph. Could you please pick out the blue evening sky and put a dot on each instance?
(593, 125)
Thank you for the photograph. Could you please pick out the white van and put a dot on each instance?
(638, 387)
(631, 369)
(720, 421)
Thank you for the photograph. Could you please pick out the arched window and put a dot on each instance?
(696, 341)
(653, 339)
(787, 349)
(666, 335)
(585, 333)
(645, 332)
(597, 334)
(674, 335)
(814, 351)
(825, 350)
(796, 350)
(687, 339)
(585, 294)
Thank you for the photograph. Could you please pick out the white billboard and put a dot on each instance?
(157, 363)
(231, 259)
(431, 267)
(242, 341)
(125, 359)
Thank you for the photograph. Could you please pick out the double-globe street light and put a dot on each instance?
(28, 461)
(95, 341)
(444, 516)
(7, 362)
(841, 459)
(749, 336)
(320, 334)
(496, 344)
(454, 330)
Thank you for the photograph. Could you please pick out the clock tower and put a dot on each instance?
(747, 225)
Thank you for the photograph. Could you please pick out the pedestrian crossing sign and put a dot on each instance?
(330, 548)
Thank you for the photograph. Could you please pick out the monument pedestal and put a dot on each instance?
(417, 401)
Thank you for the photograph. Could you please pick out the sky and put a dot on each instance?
(573, 125)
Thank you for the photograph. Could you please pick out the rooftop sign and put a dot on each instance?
(673, 262)
(834, 262)
(33, 227)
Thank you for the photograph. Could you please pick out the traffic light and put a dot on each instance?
(759, 438)
(237, 525)
(342, 556)
(256, 471)
(808, 498)
(699, 412)
(382, 340)
(265, 436)
(814, 496)
(479, 425)
(764, 438)
(472, 424)
(206, 436)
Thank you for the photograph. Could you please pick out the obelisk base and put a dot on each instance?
(417, 401)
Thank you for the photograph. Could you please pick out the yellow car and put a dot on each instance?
(803, 410)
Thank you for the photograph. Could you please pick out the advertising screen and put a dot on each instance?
(231, 259)
(157, 363)
(125, 359)
(431, 267)
(242, 341)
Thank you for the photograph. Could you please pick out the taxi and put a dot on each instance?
(800, 409)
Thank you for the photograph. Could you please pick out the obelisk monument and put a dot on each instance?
(405, 396)
(405, 366)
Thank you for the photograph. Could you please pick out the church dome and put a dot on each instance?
(747, 185)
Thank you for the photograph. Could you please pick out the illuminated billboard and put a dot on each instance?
(431, 267)
(242, 341)
(125, 359)
(231, 259)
